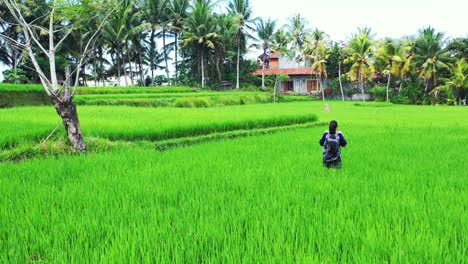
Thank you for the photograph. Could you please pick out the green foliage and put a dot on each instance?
(15, 76)
(379, 93)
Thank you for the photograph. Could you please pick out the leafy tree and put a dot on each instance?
(459, 48)
(63, 18)
(16, 76)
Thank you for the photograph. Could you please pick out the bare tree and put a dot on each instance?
(59, 28)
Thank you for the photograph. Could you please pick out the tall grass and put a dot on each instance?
(20, 125)
(400, 197)
(6, 87)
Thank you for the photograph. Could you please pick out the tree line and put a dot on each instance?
(207, 43)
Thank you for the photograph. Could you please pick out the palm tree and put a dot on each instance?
(457, 82)
(154, 14)
(280, 42)
(298, 32)
(318, 53)
(359, 50)
(227, 26)
(266, 32)
(115, 30)
(391, 53)
(178, 13)
(200, 32)
(430, 55)
(243, 10)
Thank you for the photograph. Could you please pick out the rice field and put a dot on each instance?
(26, 124)
(401, 195)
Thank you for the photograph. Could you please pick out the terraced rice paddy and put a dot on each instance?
(401, 195)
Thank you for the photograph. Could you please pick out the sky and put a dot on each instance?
(391, 18)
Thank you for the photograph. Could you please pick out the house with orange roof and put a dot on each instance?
(302, 79)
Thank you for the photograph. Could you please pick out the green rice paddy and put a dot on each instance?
(401, 195)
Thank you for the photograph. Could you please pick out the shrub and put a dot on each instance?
(183, 102)
(227, 100)
(379, 93)
(201, 102)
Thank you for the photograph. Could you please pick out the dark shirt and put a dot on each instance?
(343, 142)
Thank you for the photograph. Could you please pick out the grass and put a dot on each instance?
(26, 124)
(6, 87)
(400, 197)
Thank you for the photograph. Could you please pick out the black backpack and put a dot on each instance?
(331, 148)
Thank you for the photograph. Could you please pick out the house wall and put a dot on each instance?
(287, 63)
(274, 64)
(300, 83)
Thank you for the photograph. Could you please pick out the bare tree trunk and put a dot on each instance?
(425, 86)
(152, 46)
(118, 64)
(321, 88)
(361, 83)
(339, 79)
(218, 69)
(175, 57)
(129, 62)
(202, 71)
(140, 67)
(67, 111)
(263, 74)
(388, 83)
(165, 55)
(238, 64)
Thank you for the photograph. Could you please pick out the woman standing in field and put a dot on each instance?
(332, 141)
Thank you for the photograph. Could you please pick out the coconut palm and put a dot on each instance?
(280, 42)
(430, 56)
(200, 32)
(227, 26)
(114, 32)
(178, 13)
(359, 51)
(319, 56)
(243, 10)
(457, 82)
(298, 32)
(391, 54)
(266, 30)
(154, 11)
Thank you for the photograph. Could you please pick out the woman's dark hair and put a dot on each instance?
(332, 127)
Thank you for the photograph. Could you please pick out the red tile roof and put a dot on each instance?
(275, 55)
(293, 71)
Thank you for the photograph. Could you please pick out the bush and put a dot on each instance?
(183, 102)
(227, 100)
(400, 99)
(379, 93)
(189, 102)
